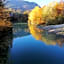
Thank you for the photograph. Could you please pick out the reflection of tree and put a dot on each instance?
(46, 37)
(20, 30)
(60, 40)
(5, 44)
(35, 32)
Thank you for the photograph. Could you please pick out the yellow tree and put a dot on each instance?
(35, 16)
(49, 11)
(53, 13)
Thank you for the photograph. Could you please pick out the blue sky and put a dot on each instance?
(41, 2)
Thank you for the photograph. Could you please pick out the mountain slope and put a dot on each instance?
(23, 5)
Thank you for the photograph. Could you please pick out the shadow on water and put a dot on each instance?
(5, 45)
(6, 41)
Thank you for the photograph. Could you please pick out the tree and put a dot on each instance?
(4, 15)
(49, 12)
(35, 16)
(53, 13)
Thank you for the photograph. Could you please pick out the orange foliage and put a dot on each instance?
(59, 7)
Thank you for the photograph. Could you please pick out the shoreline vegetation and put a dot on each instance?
(51, 14)
(49, 18)
(45, 16)
(5, 23)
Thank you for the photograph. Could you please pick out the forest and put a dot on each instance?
(50, 14)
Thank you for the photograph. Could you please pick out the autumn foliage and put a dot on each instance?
(4, 15)
(53, 13)
(35, 16)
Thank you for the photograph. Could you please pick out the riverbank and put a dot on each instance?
(5, 31)
(57, 29)
(5, 25)
(5, 28)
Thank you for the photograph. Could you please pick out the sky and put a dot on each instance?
(41, 2)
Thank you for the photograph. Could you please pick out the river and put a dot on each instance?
(35, 46)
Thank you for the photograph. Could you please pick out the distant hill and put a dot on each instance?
(23, 5)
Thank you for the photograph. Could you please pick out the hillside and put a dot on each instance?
(23, 5)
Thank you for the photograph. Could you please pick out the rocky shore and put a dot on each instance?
(57, 29)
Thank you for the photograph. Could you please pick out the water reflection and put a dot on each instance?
(28, 50)
(5, 45)
(20, 30)
(46, 37)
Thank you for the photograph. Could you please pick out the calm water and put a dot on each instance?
(39, 47)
